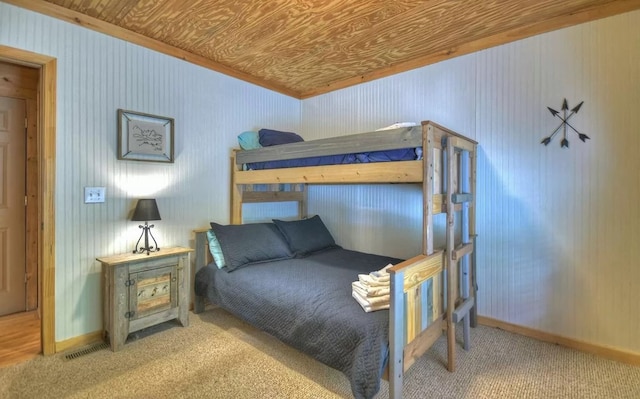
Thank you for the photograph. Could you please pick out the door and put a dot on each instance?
(12, 205)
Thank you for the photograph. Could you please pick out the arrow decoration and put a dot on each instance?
(566, 115)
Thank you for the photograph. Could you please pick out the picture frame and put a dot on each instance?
(145, 137)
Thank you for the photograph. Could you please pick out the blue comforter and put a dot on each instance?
(307, 304)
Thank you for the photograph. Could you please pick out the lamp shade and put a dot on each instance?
(146, 210)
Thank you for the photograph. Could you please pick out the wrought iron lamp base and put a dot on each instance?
(146, 232)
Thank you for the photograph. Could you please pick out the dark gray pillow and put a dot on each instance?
(269, 137)
(306, 235)
(244, 244)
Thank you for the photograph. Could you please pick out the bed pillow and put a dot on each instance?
(270, 137)
(249, 140)
(306, 235)
(214, 248)
(244, 244)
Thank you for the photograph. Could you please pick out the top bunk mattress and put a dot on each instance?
(398, 144)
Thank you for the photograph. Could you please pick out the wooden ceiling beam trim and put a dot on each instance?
(85, 21)
(562, 21)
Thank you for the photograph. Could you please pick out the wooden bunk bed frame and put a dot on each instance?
(447, 172)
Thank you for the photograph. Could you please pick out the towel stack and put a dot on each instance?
(372, 290)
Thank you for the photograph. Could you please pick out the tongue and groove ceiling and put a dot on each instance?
(304, 48)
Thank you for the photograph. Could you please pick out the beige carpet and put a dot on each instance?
(218, 356)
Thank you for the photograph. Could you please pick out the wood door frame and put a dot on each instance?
(46, 139)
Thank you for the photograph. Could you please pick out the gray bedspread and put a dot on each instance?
(307, 304)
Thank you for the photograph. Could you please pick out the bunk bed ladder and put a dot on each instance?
(459, 300)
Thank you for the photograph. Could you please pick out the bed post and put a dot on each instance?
(450, 265)
(465, 278)
(427, 190)
(473, 313)
(202, 244)
(302, 203)
(236, 193)
(396, 335)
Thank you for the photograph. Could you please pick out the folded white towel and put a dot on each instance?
(366, 306)
(358, 289)
(372, 300)
(378, 300)
(382, 274)
(370, 291)
(377, 278)
(371, 281)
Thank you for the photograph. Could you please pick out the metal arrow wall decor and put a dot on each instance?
(565, 124)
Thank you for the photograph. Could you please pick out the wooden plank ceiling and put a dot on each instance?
(308, 47)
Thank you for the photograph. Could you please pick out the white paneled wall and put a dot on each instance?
(558, 228)
(98, 74)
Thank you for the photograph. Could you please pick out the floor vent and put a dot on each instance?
(86, 350)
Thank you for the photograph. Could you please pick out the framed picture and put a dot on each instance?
(144, 137)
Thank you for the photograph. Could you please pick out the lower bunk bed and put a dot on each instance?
(301, 293)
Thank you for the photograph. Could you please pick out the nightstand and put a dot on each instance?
(141, 290)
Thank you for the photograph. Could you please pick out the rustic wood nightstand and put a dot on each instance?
(142, 290)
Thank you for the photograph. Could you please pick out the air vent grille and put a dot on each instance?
(86, 350)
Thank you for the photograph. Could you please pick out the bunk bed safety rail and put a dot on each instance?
(378, 172)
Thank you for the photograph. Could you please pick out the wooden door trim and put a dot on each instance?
(46, 134)
(32, 235)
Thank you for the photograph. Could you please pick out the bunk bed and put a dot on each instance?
(430, 292)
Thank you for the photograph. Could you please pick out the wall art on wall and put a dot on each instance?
(565, 124)
(144, 137)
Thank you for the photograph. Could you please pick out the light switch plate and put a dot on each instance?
(93, 195)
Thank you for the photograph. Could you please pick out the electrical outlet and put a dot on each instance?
(93, 195)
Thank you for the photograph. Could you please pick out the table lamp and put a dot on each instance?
(146, 210)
